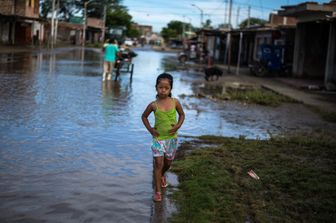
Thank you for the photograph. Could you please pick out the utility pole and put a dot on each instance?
(84, 24)
(239, 52)
(183, 28)
(104, 23)
(229, 37)
(225, 12)
(230, 12)
(56, 22)
(189, 24)
(249, 16)
(201, 14)
(52, 31)
(12, 31)
(200, 48)
(237, 17)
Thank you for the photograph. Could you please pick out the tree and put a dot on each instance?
(174, 29)
(96, 7)
(253, 21)
(207, 24)
(116, 14)
(224, 26)
(133, 33)
(119, 17)
(67, 8)
(167, 33)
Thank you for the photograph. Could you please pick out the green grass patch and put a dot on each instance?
(325, 115)
(328, 116)
(95, 45)
(259, 96)
(297, 180)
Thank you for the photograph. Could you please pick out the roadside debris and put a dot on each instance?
(253, 175)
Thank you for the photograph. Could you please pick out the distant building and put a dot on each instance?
(278, 31)
(94, 30)
(72, 31)
(144, 30)
(20, 22)
(315, 41)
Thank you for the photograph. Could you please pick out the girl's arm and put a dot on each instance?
(145, 121)
(180, 121)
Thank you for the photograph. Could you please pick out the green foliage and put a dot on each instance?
(325, 115)
(133, 33)
(174, 29)
(95, 8)
(118, 16)
(296, 183)
(167, 33)
(207, 24)
(253, 21)
(328, 116)
(259, 96)
(224, 26)
(67, 8)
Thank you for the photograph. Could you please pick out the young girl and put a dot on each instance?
(164, 132)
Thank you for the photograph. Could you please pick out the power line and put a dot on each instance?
(260, 6)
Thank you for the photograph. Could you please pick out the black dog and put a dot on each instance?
(212, 73)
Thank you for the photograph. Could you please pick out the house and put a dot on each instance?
(94, 30)
(20, 22)
(315, 41)
(67, 32)
(144, 30)
(278, 31)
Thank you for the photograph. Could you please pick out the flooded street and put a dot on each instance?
(74, 149)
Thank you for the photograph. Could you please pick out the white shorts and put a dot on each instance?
(166, 148)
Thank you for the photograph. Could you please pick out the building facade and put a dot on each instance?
(315, 41)
(20, 22)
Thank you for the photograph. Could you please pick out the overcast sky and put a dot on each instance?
(160, 12)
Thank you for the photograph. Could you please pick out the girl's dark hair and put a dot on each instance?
(165, 76)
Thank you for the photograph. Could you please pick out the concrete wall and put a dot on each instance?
(4, 32)
(96, 23)
(27, 8)
(281, 20)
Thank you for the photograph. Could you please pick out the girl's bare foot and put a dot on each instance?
(157, 197)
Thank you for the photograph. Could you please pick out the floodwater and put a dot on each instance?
(73, 149)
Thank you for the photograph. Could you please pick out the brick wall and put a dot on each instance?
(6, 7)
(21, 8)
(281, 20)
(93, 22)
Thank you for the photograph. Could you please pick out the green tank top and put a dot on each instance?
(164, 121)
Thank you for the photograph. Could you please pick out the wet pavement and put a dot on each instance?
(73, 149)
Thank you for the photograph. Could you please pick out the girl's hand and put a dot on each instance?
(173, 130)
(154, 132)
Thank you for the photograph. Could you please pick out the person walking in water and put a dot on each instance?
(164, 132)
(110, 50)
